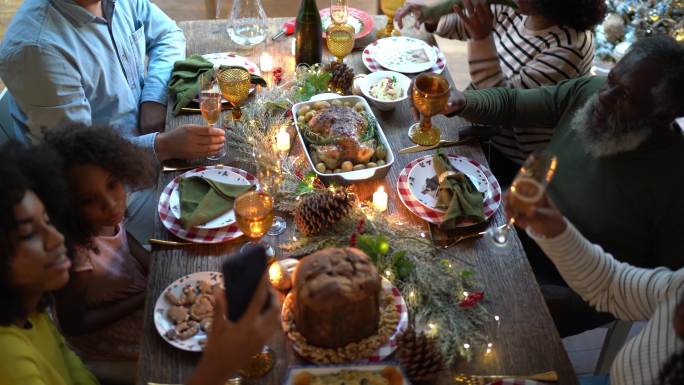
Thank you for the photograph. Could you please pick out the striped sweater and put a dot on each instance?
(629, 293)
(514, 56)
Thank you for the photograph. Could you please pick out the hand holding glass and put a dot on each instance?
(527, 188)
(210, 104)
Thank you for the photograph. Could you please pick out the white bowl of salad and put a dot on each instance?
(385, 89)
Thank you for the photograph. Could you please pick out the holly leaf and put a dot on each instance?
(368, 244)
(467, 273)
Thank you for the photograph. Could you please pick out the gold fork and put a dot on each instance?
(467, 379)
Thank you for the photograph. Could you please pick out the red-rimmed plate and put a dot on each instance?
(371, 52)
(361, 21)
(388, 347)
(231, 59)
(194, 234)
(411, 184)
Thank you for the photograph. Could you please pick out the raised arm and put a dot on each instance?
(627, 292)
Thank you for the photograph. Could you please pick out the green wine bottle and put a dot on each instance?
(308, 34)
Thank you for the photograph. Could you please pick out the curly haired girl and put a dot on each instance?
(101, 307)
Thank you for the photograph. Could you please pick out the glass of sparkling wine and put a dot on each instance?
(340, 40)
(254, 217)
(527, 189)
(210, 104)
(338, 11)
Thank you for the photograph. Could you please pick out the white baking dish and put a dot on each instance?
(349, 177)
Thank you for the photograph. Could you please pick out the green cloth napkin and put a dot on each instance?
(457, 194)
(438, 10)
(184, 83)
(203, 199)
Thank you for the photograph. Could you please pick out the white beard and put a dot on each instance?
(617, 136)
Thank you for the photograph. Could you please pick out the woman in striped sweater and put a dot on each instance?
(541, 42)
(654, 356)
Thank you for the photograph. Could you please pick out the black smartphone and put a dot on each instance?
(241, 273)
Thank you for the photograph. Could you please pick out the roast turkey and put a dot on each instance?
(342, 128)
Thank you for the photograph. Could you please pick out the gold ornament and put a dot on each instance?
(679, 34)
(320, 210)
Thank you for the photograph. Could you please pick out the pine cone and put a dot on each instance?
(342, 77)
(420, 356)
(318, 211)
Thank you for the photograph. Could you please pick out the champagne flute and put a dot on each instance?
(210, 105)
(254, 216)
(527, 188)
(340, 40)
(338, 11)
(235, 84)
(270, 176)
(430, 96)
(389, 8)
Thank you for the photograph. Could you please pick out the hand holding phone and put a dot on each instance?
(241, 274)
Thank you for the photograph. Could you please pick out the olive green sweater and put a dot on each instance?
(629, 203)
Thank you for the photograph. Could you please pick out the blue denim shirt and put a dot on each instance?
(63, 65)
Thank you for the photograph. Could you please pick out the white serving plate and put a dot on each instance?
(322, 370)
(350, 176)
(217, 174)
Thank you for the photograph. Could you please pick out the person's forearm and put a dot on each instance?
(604, 282)
(103, 316)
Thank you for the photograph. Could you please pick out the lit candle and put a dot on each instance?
(266, 62)
(380, 199)
(283, 141)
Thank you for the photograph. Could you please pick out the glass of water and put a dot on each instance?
(247, 24)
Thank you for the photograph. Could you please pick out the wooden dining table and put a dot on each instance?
(526, 340)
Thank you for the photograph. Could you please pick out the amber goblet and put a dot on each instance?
(234, 84)
(340, 40)
(389, 8)
(430, 96)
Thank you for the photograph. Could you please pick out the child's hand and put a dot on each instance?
(231, 345)
(477, 18)
(189, 141)
(542, 218)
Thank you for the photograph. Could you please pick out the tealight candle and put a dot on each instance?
(380, 199)
(266, 62)
(283, 141)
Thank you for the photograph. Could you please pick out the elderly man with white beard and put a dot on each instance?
(620, 161)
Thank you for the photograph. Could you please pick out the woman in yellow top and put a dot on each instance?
(34, 262)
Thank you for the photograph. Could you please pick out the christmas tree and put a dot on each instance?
(628, 20)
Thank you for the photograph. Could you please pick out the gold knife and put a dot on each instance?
(467, 379)
(162, 242)
(442, 143)
(183, 168)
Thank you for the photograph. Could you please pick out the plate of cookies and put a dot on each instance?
(184, 311)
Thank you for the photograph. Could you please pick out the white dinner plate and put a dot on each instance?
(163, 323)
(405, 54)
(222, 175)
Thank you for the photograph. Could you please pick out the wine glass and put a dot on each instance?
(234, 84)
(254, 216)
(430, 96)
(527, 188)
(340, 40)
(210, 105)
(389, 8)
(338, 11)
(270, 176)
